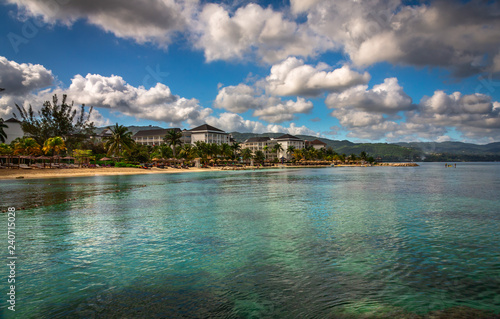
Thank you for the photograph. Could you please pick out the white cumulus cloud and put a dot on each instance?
(294, 77)
(157, 103)
(241, 98)
(142, 20)
(21, 78)
(387, 97)
(251, 30)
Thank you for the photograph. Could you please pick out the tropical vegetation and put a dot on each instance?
(120, 140)
(56, 119)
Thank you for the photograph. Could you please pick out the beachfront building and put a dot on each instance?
(209, 134)
(286, 141)
(259, 144)
(13, 130)
(317, 144)
(156, 137)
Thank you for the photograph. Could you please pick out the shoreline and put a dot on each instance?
(11, 174)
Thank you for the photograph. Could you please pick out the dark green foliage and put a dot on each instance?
(56, 120)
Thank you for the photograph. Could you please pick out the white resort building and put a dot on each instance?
(259, 143)
(209, 134)
(153, 137)
(286, 141)
(13, 131)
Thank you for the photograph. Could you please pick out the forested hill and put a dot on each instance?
(417, 151)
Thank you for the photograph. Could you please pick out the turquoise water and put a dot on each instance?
(284, 243)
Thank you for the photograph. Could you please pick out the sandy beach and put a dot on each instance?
(82, 172)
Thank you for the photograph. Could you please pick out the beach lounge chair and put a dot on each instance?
(24, 166)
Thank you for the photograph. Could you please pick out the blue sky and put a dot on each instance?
(375, 71)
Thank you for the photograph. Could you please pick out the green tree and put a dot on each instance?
(26, 146)
(226, 150)
(298, 154)
(57, 120)
(290, 149)
(138, 153)
(236, 149)
(173, 139)
(363, 156)
(163, 151)
(201, 150)
(246, 153)
(5, 149)
(259, 157)
(277, 148)
(83, 156)
(120, 140)
(266, 149)
(3, 135)
(188, 152)
(55, 145)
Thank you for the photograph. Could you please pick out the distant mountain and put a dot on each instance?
(454, 147)
(455, 151)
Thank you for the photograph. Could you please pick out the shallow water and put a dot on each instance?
(283, 243)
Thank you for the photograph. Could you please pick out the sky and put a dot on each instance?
(365, 71)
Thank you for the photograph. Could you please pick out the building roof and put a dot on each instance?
(206, 127)
(258, 139)
(315, 142)
(158, 132)
(12, 120)
(288, 137)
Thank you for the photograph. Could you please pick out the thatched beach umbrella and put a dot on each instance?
(43, 157)
(68, 158)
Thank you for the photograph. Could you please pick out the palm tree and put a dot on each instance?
(236, 148)
(5, 149)
(173, 138)
(163, 151)
(32, 147)
(246, 153)
(353, 157)
(3, 135)
(363, 156)
(120, 139)
(202, 150)
(26, 146)
(259, 156)
(278, 148)
(266, 149)
(226, 150)
(54, 144)
(290, 149)
(187, 151)
(298, 154)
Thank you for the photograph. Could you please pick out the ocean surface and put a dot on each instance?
(282, 243)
